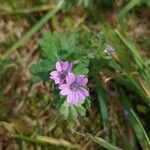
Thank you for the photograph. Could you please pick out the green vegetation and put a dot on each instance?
(34, 35)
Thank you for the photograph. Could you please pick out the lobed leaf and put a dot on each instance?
(72, 111)
(82, 68)
(53, 44)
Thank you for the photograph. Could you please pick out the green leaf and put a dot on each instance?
(73, 112)
(40, 76)
(41, 70)
(42, 66)
(87, 103)
(50, 44)
(82, 68)
(55, 44)
(103, 143)
(70, 111)
(64, 110)
(35, 79)
(81, 110)
(59, 100)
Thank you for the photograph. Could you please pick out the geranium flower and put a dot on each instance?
(74, 88)
(62, 70)
(109, 48)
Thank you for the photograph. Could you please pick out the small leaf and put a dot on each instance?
(70, 111)
(35, 79)
(42, 66)
(64, 110)
(81, 69)
(53, 44)
(59, 100)
(73, 112)
(81, 110)
(87, 103)
(41, 76)
(50, 44)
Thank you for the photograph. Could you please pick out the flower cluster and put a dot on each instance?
(69, 84)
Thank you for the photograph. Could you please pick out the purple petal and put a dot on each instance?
(84, 91)
(69, 67)
(109, 48)
(57, 80)
(54, 73)
(63, 86)
(70, 98)
(70, 78)
(81, 95)
(65, 66)
(64, 91)
(75, 98)
(59, 66)
(81, 80)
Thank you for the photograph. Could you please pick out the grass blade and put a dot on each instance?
(103, 143)
(135, 123)
(130, 5)
(102, 103)
(44, 140)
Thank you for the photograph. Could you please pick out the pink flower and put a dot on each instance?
(109, 48)
(74, 88)
(62, 70)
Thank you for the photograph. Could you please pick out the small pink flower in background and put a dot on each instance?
(109, 48)
(74, 88)
(62, 70)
